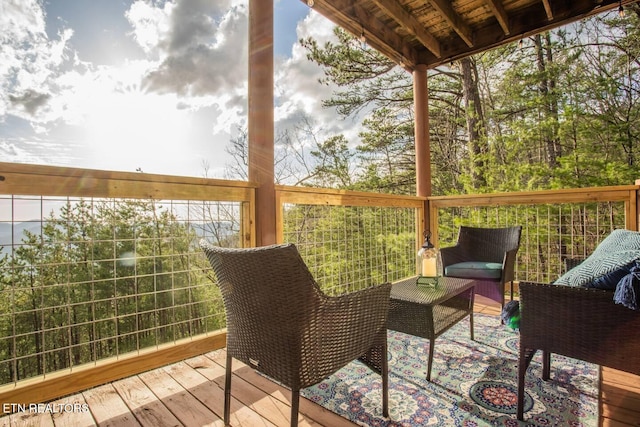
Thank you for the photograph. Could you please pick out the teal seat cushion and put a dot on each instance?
(475, 270)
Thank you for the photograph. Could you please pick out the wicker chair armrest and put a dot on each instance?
(452, 255)
(508, 265)
(351, 322)
(579, 322)
(366, 308)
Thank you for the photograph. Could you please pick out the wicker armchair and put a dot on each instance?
(280, 323)
(484, 245)
(582, 323)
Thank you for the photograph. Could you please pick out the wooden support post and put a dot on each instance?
(260, 129)
(421, 131)
(637, 206)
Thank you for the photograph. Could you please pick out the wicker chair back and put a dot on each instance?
(282, 324)
(496, 245)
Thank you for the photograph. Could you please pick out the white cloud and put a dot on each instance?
(150, 24)
(298, 91)
(107, 110)
(202, 46)
(183, 100)
(28, 59)
(21, 20)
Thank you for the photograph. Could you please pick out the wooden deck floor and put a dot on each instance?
(190, 393)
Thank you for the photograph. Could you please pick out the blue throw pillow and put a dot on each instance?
(610, 280)
(608, 263)
(628, 290)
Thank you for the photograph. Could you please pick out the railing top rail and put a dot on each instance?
(27, 179)
(567, 195)
(326, 196)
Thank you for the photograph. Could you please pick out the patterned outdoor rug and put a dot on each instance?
(474, 383)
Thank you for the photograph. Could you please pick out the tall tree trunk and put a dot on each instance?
(547, 88)
(475, 121)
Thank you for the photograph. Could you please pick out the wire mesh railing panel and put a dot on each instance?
(550, 232)
(348, 248)
(83, 279)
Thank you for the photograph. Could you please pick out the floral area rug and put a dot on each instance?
(473, 383)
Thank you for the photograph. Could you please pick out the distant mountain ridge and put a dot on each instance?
(18, 229)
(222, 229)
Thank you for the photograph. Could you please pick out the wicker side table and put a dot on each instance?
(428, 312)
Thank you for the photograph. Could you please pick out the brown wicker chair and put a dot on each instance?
(582, 323)
(495, 245)
(280, 323)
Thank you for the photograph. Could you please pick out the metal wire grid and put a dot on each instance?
(98, 278)
(156, 291)
(550, 232)
(351, 248)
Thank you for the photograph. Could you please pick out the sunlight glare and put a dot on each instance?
(135, 125)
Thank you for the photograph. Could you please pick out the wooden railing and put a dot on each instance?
(557, 224)
(349, 239)
(109, 280)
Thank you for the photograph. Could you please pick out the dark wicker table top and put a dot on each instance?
(448, 287)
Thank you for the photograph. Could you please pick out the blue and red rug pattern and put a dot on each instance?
(473, 383)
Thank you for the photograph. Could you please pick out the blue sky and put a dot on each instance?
(152, 84)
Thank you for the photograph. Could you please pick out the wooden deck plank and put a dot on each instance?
(72, 411)
(619, 415)
(186, 407)
(624, 380)
(199, 387)
(620, 397)
(277, 399)
(27, 419)
(144, 405)
(212, 396)
(274, 410)
(617, 395)
(108, 408)
(154, 398)
(311, 411)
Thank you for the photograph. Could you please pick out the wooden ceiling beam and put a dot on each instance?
(501, 14)
(454, 20)
(391, 26)
(353, 18)
(411, 24)
(547, 8)
(523, 24)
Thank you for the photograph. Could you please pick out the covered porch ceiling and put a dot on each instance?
(435, 32)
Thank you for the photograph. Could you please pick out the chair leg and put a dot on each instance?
(295, 406)
(227, 391)
(385, 381)
(522, 369)
(546, 365)
(523, 363)
(473, 298)
(432, 343)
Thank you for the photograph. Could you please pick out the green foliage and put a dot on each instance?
(99, 280)
(334, 168)
(349, 248)
(563, 110)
